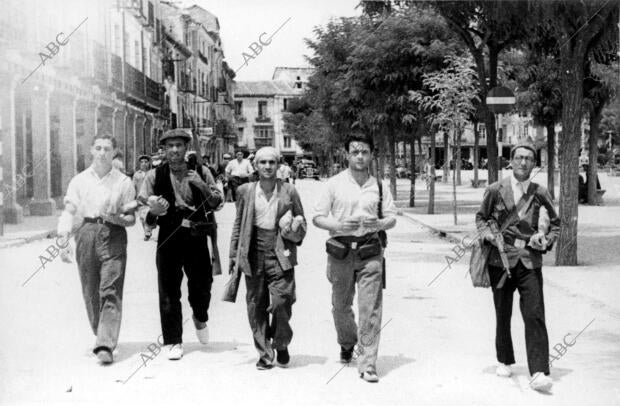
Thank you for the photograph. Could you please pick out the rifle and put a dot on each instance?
(499, 241)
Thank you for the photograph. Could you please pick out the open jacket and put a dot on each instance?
(498, 203)
(286, 244)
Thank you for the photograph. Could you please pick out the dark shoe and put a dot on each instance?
(283, 358)
(104, 355)
(346, 355)
(263, 365)
(370, 375)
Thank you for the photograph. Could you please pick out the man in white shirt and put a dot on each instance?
(97, 196)
(284, 172)
(348, 208)
(269, 226)
(238, 172)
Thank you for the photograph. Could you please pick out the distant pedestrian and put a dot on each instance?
(98, 196)
(284, 172)
(514, 205)
(269, 226)
(138, 178)
(349, 209)
(238, 172)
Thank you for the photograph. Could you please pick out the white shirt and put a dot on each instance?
(284, 172)
(265, 211)
(242, 169)
(518, 188)
(343, 197)
(94, 196)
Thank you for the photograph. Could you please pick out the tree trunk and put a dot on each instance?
(595, 120)
(446, 158)
(404, 154)
(431, 192)
(412, 166)
(457, 158)
(476, 152)
(551, 159)
(572, 99)
(454, 175)
(392, 146)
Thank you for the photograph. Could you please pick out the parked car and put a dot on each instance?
(465, 165)
(307, 169)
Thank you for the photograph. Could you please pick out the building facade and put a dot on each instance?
(259, 108)
(72, 69)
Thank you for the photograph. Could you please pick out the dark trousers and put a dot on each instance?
(101, 255)
(234, 183)
(179, 251)
(529, 282)
(269, 290)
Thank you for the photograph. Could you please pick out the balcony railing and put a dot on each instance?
(263, 119)
(154, 92)
(240, 118)
(117, 72)
(134, 82)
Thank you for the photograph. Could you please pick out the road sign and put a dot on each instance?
(500, 100)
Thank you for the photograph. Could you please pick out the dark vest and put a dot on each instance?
(174, 216)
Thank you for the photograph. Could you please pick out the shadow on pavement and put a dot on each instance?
(388, 363)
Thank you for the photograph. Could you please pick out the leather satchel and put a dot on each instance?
(480, 249)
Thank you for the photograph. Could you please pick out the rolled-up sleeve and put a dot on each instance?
(323, 205)
(389, 208)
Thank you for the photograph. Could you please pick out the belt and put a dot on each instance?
(353, 241)
(98, 220)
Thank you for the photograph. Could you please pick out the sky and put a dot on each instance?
(243, 21)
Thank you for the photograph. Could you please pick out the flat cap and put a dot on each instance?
(175, 133)
(147, 157)
(526, 143)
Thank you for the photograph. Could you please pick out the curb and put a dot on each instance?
(22, 241)
(447, 235)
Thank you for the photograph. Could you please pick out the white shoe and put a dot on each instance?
(202, 331)
(541, 382)
(503, 370)
(175, 351)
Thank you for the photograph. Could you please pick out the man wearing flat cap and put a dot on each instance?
(269, 226)
(179, 196)
(514, 207)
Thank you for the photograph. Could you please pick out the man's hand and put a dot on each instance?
(371, 222)
(66, 252)
(195, 179)
(490, 237)
(538, 241)
(350, 224)
(158, 206)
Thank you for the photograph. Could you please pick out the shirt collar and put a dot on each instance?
(94, 173)
(352, 179)
(514, 182)
(260, 192)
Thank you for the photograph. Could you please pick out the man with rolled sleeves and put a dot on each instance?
(517, 205)
(178, 198)
(348, 208)
(269, 226)
(96, 196)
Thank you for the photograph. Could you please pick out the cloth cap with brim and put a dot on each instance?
(523, 144)
(176, 133)
(141, 157)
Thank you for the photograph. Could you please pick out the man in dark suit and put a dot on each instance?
(269, 226)
(524, 245)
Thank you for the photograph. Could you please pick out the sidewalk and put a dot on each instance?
(597, 242)
(33, 228)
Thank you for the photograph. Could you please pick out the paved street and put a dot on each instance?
(436, 347)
